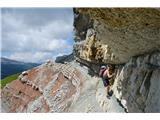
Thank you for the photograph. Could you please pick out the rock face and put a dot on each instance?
(137, 83)
(114, 35)
(54, 87)
(130, 39)
(51, 87)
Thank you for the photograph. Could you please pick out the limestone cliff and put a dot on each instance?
(130, 39)
(114, 35)
(137, 83)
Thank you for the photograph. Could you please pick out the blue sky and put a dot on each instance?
(36, 34)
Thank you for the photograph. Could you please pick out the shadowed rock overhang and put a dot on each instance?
(114, 35)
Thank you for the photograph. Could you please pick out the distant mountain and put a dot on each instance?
(64, 58)
(9, 67)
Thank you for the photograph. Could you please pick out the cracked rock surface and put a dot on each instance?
(114, 35)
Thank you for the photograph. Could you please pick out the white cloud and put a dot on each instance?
(40, 31)
(31, 57)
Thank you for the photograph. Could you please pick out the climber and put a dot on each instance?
(107, 74)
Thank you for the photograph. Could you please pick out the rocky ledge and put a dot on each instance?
(51, 87)
(55, 87)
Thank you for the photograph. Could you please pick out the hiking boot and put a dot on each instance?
(109, 97)
(110, 93)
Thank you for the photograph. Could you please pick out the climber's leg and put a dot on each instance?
(107, 87)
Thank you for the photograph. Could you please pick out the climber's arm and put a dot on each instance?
(109, 75)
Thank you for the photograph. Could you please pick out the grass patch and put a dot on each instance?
(9, 79)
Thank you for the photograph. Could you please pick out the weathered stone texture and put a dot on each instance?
(138, 83)
(129, 38)
(51, 87)
(120, 33)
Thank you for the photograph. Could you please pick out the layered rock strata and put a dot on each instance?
(51, 87)
(114, 35)
(137, 83)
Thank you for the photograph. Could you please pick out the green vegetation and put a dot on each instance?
(9, 79)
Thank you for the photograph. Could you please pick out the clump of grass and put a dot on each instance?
(8, 79)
